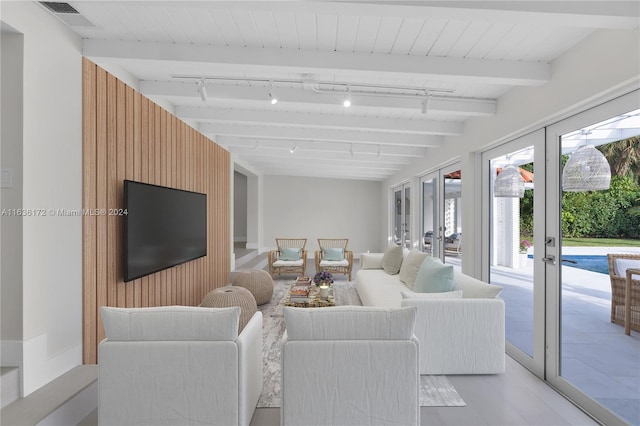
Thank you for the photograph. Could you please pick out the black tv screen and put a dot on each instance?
(164, 227)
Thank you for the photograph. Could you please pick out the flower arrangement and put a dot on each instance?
(323, 277)
(524, 246)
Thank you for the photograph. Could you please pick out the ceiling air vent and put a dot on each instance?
(59, 7)
(67, 14)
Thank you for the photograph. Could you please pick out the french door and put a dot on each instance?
(589, 358)
(441, 211)
(401, 214)
(514, 246)
(557, 310)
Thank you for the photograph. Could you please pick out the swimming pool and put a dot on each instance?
(592, 263)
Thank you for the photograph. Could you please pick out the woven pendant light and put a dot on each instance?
(509, 183)
(586, 170)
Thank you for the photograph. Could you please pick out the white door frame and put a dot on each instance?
(594, 115)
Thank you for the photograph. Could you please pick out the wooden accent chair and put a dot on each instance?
(618, 264)
(281, 261)
(342, 264)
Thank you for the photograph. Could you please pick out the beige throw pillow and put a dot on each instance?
(392, 260)
(410, 266)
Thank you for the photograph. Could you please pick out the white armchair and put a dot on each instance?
(350, 365)
(178, 365)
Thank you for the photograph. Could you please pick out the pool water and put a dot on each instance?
(592, 263)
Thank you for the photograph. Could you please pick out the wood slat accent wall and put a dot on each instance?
(126, 136)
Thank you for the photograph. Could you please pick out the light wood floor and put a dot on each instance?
(516, 397)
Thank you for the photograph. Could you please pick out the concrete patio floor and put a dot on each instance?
(596, 356)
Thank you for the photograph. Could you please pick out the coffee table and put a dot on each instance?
(313, 300)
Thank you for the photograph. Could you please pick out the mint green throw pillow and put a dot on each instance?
(332, 253)
(290, 254)
(433, 277)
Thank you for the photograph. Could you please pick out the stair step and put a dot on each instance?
(257, 262)
(49, 404)
(246, 257)
(10, 382)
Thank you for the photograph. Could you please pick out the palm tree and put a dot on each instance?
(623, 156)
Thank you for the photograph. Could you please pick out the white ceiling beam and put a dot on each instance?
(346, 136)
(342, 173)
(344, 159)
(311, 120)
(366, 65)
(238, 144)
(293, 161)
(463, 107)
(588, 14)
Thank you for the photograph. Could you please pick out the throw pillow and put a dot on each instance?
(425, 296)
(392, 260)
(371, 260)
(290, 254)
(332, 254)
(410, 266)
(434, 277)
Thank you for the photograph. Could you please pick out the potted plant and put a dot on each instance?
(322, 278)
(524, 246)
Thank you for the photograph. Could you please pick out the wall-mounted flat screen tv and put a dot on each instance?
(163, 227)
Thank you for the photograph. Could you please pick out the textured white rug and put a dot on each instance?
(435, 391)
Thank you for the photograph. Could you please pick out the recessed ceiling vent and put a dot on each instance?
(59, 7)
(67, 13)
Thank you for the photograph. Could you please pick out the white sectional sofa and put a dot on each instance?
(457, 335)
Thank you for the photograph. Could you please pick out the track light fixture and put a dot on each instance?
(203, 90)
(330, 87)
(274, 100)
(379, 155)
(294, 149)
(351, 150)
(347, 98)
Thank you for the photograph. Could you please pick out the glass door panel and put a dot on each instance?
(430, 216)
(510, 257)
(592, 360)
(402, 215)
(452, 215)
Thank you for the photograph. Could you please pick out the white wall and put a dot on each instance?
(11, 197)
(312, 208)
(52, 179)
(578, 81)
(239, 207)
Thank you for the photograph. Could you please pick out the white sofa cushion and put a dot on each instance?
(444, 295)
(392, 259)
(171, 323)
(473, 288)
(279, 262)
(410, 266)
(371, 260)
(343, 262)
(349, 323)
(434, 277)
(377, 288)
(621, 266)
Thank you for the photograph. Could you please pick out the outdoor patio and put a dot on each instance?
(597, 357)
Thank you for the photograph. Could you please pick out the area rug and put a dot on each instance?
(435, 391)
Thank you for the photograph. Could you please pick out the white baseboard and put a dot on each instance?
(38, 369)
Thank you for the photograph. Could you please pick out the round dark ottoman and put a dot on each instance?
(225, 297)
(258, 282)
